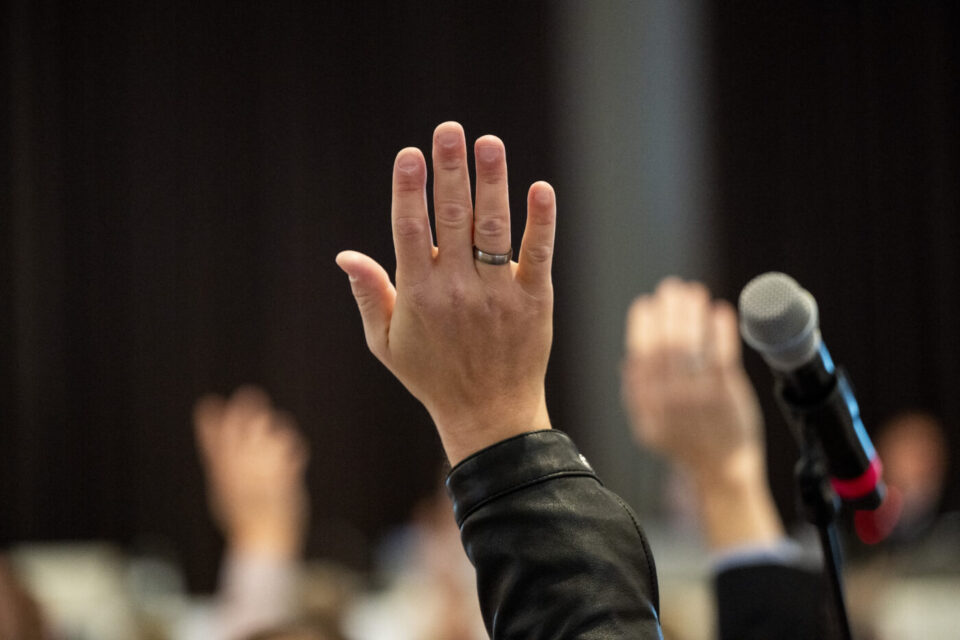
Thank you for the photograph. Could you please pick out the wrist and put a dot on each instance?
(282, 539)
(465, 435)
(737, 471)
(278, 545)
(736, 503)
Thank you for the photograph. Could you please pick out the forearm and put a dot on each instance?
(557, 555)
(736, 504)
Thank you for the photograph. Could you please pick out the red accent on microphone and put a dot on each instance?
(861, 485)
(873, 527)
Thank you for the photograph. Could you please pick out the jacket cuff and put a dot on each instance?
(510, 465)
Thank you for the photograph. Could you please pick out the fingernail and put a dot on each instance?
(407, 163)
(448, 139)
(544, 196)
(488, 153)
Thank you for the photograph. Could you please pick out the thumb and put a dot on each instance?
(374, 294)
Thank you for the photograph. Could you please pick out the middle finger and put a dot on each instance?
(452, 205)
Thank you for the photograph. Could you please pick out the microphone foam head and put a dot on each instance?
(779, 319)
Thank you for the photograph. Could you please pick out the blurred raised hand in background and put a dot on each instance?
(254, 458)
(690, 400)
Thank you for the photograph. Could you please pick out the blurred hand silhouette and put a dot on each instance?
(690, 400)
(254, 458)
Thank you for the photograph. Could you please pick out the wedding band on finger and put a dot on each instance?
(492, 258)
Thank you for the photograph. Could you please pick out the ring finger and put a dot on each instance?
(491, 224)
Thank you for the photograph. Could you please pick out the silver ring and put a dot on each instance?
(492, 258)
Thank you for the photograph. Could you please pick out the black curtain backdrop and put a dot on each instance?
(838, 161)
(181, 177)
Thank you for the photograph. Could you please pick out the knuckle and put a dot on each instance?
(419, 296)
(410, 182)
(492, 305)
(365, 301)
(450, 161)
(503, 309)
(491, 227)
(542, 216)
(492, 176)
(409, 185)
(454, 214)
(456, 294)
(538, 254)
(409, 227)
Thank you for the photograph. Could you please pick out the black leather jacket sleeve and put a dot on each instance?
(769, 600)
(557, 555)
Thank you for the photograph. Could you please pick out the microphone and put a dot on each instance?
(779, 319)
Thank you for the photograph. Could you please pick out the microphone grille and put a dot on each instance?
(778, 318)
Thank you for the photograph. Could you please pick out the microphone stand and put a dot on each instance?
(821, 505)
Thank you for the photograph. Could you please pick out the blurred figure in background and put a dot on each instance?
(913, 448)
(905, 582)
(254, 458)
(690, 400)
(431, 589)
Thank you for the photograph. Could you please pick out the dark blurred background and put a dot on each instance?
(179, 177)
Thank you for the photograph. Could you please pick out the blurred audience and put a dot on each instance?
(431, 590)
(688, 398)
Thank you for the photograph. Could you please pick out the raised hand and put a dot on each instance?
(467, 338)
(690, 399)
(684, 386)
(254, 458)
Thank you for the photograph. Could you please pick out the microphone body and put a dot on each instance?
(779, 319)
